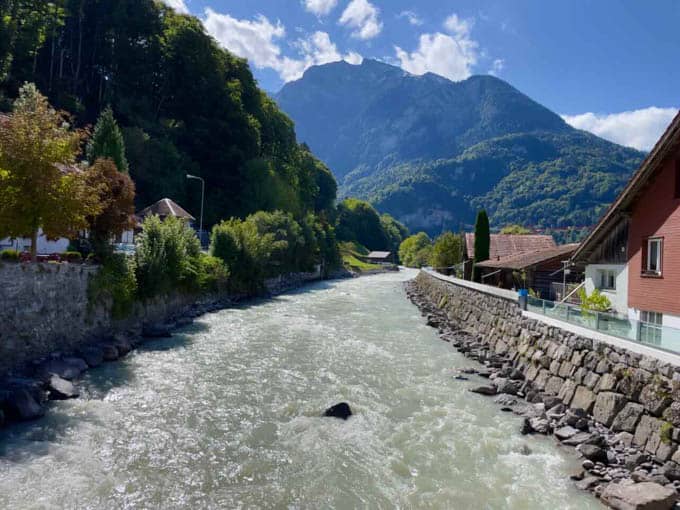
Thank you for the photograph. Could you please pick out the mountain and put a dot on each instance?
(431, 151)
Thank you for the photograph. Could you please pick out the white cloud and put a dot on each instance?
(637, 128)
(363, 17)
(178, 5)
(258, 41)
(457, 26)
(451, 56)
(412, 18)
(497, 66)
(319, 7)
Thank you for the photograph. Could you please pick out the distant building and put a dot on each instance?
(505, 245)
(45, 246)
(163, 209)
(379, 257)
(538, 270)
(633, 254)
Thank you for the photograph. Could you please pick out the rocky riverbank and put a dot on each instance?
(615, 468)
(26, 393)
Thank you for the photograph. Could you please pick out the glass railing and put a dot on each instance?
(660, 337)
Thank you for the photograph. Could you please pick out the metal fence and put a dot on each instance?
(654, 335)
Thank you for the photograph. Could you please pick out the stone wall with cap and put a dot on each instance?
(628, 392)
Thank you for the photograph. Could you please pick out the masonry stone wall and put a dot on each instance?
(628, 392)
(44, 308)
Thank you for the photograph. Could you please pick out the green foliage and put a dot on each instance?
(74, 257)
(515, 230)
(666, 432)
(595, 302)
(115, 282)
(482, 237)
(167, 257)
(416, 250)
(447, 251)
(107, 142)
(9, 255)
(394, 231)
(267, 244)
(359, 221)
(213, 275)
(184, 104)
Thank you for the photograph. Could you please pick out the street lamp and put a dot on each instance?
(200, 228)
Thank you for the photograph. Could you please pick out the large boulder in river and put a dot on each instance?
(61, 389)
(639, 496)
(341, 410)
(485, 390)
(93, 355)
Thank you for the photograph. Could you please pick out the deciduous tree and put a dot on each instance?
(40, 186)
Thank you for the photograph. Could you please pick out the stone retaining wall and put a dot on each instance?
(625, 391)
(44, 308)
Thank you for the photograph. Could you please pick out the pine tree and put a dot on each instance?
(107, 142)
(482, 237)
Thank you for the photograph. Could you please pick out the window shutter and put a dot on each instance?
(645, 252)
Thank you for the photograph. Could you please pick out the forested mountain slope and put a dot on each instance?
(430, 151)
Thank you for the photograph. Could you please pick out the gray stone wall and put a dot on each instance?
(628, 392)
(44, 308)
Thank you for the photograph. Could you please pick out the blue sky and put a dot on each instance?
(608, 66)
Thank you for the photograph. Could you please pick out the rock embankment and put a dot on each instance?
(617, 409)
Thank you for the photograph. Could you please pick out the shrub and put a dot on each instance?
(167, 257)
(213, 275)
(447, 252)
(9, 255)
(416, 250)
(116, 281)
(73, 257)
(596, 302)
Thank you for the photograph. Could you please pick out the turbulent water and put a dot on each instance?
(226, 415)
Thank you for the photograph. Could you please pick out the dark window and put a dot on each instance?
(677, 178)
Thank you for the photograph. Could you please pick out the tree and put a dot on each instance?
(117, 199)
(107, 141)
(482, 237)
(415, 251)
(515, 230)
(394, 231)
(39, 185)
(359, 221)
(447, 252)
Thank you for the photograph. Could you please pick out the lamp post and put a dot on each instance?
(200, 228)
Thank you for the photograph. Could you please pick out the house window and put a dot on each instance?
(651, 327)
(652, 256)
(677, 178)
(607, 279)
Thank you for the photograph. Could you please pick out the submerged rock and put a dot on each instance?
(341, 410)
(485, 390)
(157, 331)
(92, 355)
(66, 368)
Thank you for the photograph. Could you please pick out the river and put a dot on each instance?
(226, 415)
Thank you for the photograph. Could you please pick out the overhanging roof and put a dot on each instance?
(526, 260)
(668, 142)
(507, 245)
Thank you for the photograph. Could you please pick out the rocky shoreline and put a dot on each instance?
(26, 393)
(614, 469)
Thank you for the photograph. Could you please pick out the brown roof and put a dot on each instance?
(164, 208)
(668, 143)
(525, 260)
(507, 245)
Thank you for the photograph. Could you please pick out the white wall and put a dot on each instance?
(618, 297)
(45, 246)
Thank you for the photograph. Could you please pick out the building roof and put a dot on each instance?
(378, 255)
(164, 208)
(532, 258)
(666, 145)
(507, 245)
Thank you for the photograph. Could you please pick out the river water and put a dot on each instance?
(226, 415)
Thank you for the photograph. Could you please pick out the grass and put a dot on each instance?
(350, 257)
